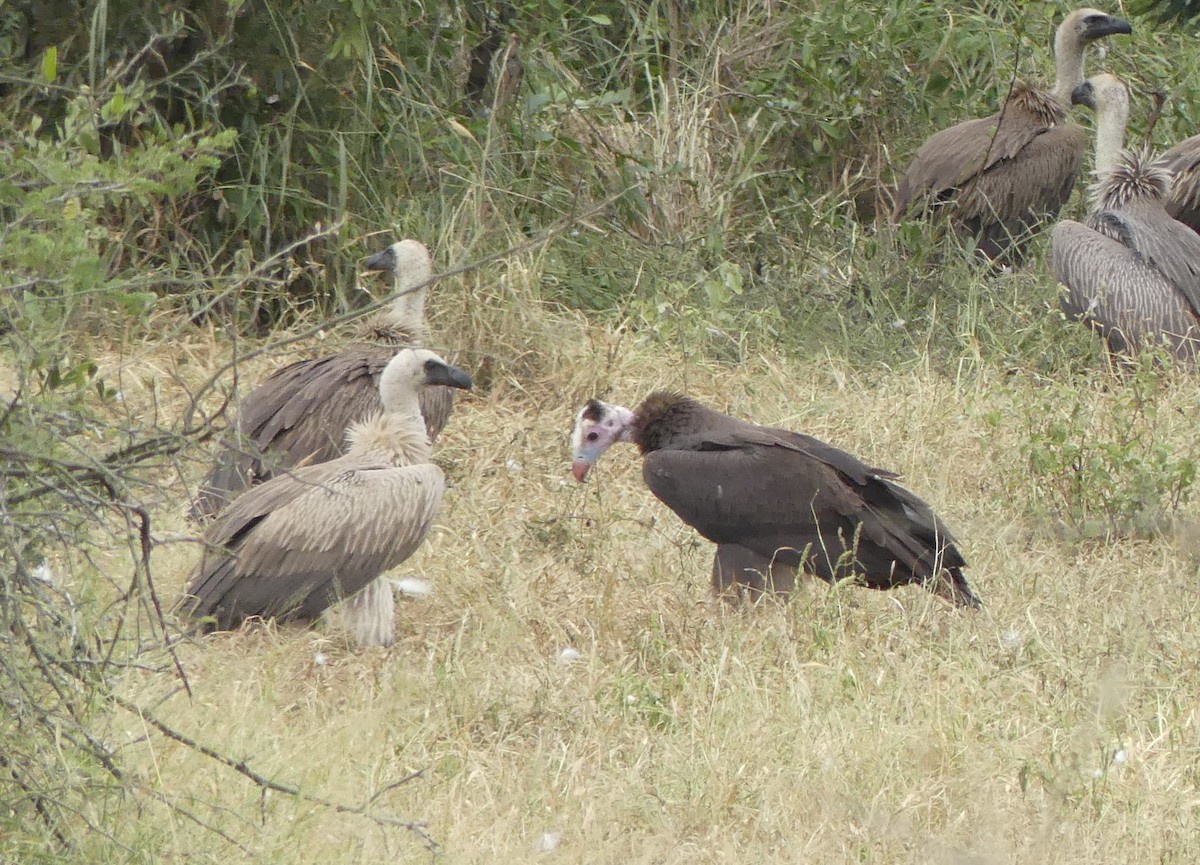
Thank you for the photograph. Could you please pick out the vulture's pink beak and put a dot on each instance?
(579, 468)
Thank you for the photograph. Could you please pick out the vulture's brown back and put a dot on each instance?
(299, 415)
(794, 498)
(1183, 163)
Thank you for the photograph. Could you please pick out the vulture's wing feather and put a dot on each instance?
(1110, 286)
(300, 414)
(302, 411)
(1182, 162)
(297, 545)
(1161, 242)
(1040, 182)
(735, 434)
(953, 156)
(782, 501)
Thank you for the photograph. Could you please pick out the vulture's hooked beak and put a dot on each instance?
(385, 260)
(1099, 26)
(1084, 94)
(447, 375)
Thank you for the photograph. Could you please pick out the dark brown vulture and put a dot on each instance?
(292, 547)
(784, 497)
(301, 412)
(1131, 271)
(1014, 170)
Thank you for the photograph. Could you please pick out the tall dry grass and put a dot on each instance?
(1057, 725)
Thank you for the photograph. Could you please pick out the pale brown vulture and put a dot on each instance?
(1182, 164)
(315, 535)
(784, 497)
(1131, 271)
(301, 412)
(1009, 172)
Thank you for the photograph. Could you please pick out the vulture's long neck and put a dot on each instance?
(664, 417)
(397, 437)
(1111, 118)
(403, 322)
(1068, 62)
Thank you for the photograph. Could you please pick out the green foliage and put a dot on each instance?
(1109, 469)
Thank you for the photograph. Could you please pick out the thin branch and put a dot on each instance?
(264, 783)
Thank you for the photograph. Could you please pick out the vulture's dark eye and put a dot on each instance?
(593, 435)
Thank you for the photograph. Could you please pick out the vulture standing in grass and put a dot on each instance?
(1015, 169)
(301, 412)
(315, 535)
(1182, 163)
(1131, 271)
(782, 497)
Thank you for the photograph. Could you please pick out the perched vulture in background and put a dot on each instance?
(785, 498)
(315, 535)
(1009, 172)
(1131, 271)
(1182, 165)
(301, 412)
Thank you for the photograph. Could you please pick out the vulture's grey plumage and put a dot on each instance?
(781, 496)
(315, 535)
(1131, 271)
(1009, 172)
(1182, 163)
(300, 413)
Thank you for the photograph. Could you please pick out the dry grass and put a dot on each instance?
(1058, 725)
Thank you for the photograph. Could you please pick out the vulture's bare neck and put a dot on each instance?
(1111, 118)
(397, 437)
(403, 321)
(1068, 63)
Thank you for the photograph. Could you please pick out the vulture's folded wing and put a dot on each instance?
(308, 539)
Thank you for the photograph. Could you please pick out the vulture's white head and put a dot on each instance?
(411, 268)
(1079, 30)
(407, 260)
(411, 370)
(1086, 25)
(598, 426)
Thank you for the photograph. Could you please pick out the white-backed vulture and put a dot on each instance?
(1009, 172)
(1182, 163)
(315, 535)
(786, 498)
(300, 413)
(1132, 272)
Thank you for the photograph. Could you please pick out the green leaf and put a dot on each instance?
(137, 303)
(602, 20)
(50, 64)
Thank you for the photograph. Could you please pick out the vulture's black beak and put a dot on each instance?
(1099, 26)
(1084, 94)
(385, 260)
(447, 375)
